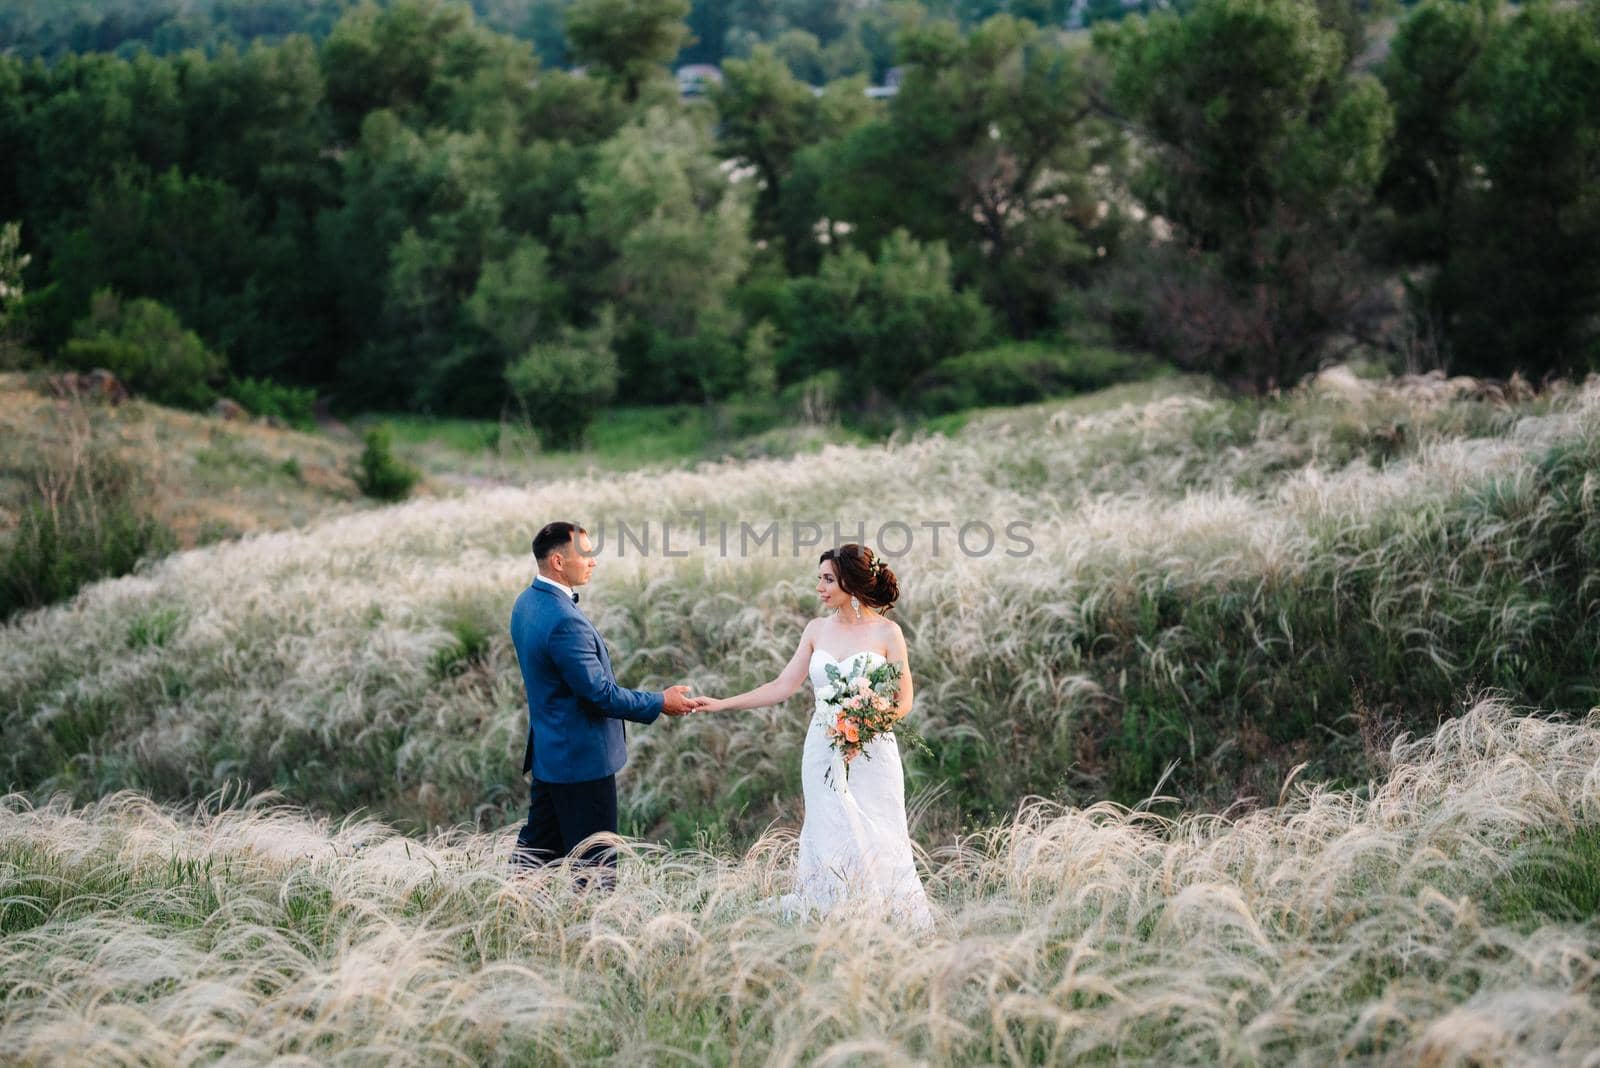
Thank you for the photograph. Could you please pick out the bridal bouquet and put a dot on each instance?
(862, 702)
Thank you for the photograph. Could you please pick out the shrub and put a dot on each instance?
(379, 473)
(85, 522)
(264, 397)
(1022, 372)
(760, 361)
(145, 345)
(882, 322)
(562, 384)
(815, 398)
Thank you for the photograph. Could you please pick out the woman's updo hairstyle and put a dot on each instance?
(864, 574)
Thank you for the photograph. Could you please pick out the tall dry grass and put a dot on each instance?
(1218, 588)
(1424, 923)
(210, 479)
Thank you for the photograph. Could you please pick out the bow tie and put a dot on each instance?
(574, 596)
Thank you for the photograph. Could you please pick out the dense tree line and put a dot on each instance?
(410, 209)
(818, 39)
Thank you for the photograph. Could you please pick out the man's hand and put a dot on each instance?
(676, 700)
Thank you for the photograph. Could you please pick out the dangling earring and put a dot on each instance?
(855, 606)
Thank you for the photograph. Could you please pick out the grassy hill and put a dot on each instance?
(1260, 612)
(1229, 587)
(206, 478)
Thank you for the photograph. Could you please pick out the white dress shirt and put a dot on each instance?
(552, 582)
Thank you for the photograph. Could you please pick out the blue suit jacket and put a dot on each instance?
(575, 707)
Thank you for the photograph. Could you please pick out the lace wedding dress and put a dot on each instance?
(854, 845)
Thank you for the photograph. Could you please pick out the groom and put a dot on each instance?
(575, 708)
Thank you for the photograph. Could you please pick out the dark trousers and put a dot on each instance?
(561, 815)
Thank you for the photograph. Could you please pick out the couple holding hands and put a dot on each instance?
(854, 845)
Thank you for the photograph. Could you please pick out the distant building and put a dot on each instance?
(697, 79)
(890, 86)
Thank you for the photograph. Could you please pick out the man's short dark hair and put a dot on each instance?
(554, 536)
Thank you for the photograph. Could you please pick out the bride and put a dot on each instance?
(854, 845)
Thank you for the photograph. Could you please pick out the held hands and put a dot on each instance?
(677, 702)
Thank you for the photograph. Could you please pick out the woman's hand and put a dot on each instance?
(711, 704)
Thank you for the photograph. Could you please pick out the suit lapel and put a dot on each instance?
(605, 654)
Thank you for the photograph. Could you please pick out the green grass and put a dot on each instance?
(1553, 877)
(637, 436)
(633, 437)
(620, 439)
(462, 435)
(629, 438)
(88, 519)
(229, 460)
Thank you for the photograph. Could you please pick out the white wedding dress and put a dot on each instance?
(855, 849)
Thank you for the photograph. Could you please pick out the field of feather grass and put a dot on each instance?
(1444, 917)
(1280, 747)
(1219, 591)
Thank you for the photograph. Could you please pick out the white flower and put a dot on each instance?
(828, 692)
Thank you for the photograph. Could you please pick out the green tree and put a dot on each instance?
(1263, 155)
(161, 27)
(186, 179)
(562, 383)
(516, 301)
(800, 52)
(537, 21)
(767, 117)
(195, 243)
(421, 213)
(803, 223)
(709, 22)
(146, 346)
(628, 41)
(789, 134)
(1492, 183)
(257, 120)
(83, 117)
(429, 63)
(670, 233)
(1528, 284)
(1429, 76)
(880, 323)
(1005, 112)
